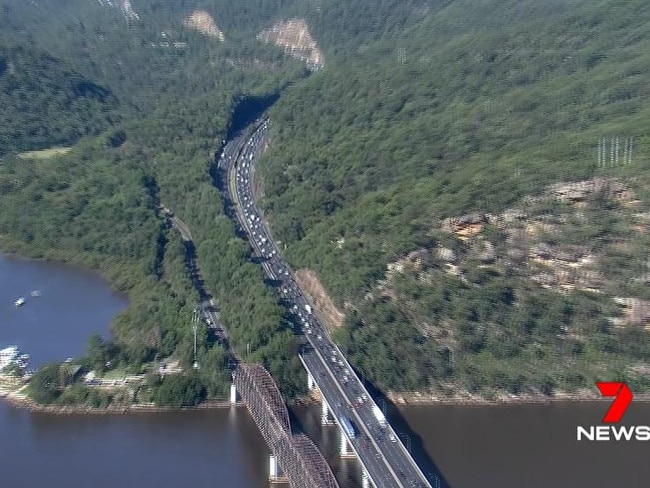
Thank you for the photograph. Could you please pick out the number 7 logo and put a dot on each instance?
(619, 405)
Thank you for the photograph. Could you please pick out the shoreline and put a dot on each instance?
(16, 399)
(11, 392)
(59, 258)
(21, 401)
(467, 399)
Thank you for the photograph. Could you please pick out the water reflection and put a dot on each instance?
(531, 446)
(74, 304)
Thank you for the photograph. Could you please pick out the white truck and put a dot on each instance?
(308, 308)
(379, 415)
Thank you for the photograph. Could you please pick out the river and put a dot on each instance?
(484, 447)
(74, 304)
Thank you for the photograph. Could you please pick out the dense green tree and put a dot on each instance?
(44, 386)
(180, 391)
(419, 114)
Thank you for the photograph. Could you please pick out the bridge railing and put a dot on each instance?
(301, 461)
(374, 404)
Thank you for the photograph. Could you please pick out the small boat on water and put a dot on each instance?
(35, 293)
(11, 355)
(20, 302)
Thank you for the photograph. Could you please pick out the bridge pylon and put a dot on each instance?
(365, 479)
(346, 449)
(275, 473)
(233, 394)
(326, 414)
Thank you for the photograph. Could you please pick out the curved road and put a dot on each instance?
(382, 454)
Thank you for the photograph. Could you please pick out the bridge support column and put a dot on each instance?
(325, 415)
(275, 473)
(346, 451)
(273, 468)
(233, 394)
(310, 382)
(365, 479)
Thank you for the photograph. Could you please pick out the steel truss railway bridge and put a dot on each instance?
(302, 463)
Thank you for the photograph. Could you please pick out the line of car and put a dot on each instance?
(355, 402)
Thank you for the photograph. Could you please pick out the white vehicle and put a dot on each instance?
(379, 415)
(308, 308)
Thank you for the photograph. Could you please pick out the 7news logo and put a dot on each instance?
(622, 398)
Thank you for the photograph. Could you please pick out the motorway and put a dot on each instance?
(381, 452)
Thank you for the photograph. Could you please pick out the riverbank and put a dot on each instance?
(466, 398)
(12, 390)
(20, 400)
(15, 396)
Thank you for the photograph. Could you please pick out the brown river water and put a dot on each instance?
(505, 446)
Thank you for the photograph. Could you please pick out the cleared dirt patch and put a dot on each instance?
(203, 22)
(324, 308)
(293, 35)
(45, 153)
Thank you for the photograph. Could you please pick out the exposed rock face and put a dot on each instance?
(487, 253)
(293, 35)
(124, 6)
(419, 258)
(635, 311)
(561, 265)
(578, 191)
(324, 307)
(541, 251)
(447, 254)
(465, 226)
(203, 22)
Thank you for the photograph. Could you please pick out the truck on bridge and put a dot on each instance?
(347, 427)
(379, 415)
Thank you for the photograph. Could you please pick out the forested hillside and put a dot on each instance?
(171, 90)
(45, 103)
(152, 58)
(449, 110)
(421, 111)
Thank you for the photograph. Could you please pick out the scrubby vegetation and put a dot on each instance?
(424, 110)
(457, 109)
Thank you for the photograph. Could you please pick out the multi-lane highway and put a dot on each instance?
(382, 454)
